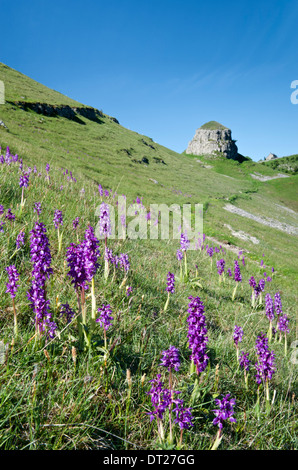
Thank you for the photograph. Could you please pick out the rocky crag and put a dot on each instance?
(213, 139)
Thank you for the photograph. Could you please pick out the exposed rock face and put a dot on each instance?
(271, 156)
(63, 111)
(213, 139)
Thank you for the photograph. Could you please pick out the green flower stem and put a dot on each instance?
(15, 319)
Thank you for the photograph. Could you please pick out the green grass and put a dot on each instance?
(213, 125)
(285, 164)
(48, 400)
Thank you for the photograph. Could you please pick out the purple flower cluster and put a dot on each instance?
(244, 361)
(283, 324)
(82, 259)
(104, 220)
(170, 359)
(128, 291)
(75, 223)
(269, 307)
(258, 288)
(105, 318)
(37, 208)
(184, 417)
(277, 303)
(225, 411)
(67, 312)
(237, 273)
(184, 242)
(220, 266)
(161, 398)
(123, 260)
(9, 215)
(13, 277)
(41, 262)
(179, 255)
(238, 334)
(265, 365)
(58, 219)
(210, 251)
(170, 283)
(24, 180)
(197, 333)
(91, 253)
(20, 241)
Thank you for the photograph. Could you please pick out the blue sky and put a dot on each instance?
(163, 68)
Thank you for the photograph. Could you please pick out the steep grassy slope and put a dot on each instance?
(107, 153)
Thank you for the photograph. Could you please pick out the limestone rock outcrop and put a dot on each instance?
(213, 139)
(271, 156)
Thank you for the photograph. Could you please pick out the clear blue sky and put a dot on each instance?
(163, 68)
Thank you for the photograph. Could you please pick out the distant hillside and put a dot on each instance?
(286, 164)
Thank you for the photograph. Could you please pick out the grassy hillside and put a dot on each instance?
(285, 164)
(212, 125)
(84, 387)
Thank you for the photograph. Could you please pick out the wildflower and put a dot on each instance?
(104, 220)
(237, 273)
(184, 242)
(13, 277)
(277, 303)
(75, 223)
(90, 253)
(1, 209)
(128, 291)
(225, 411)
(161, 399)
(179, 255)
(24, 180)
(75, 261)
(105, 318)
(58, 219)
(197, 334)
(37, 208)
(238, 334)
(100, 190)
(170, 283)
(171, 359)
(170, 288)
(244, 361)
(252, 282)
(269, 312)
(124, 262)
(20, 241)
(2, 224)
(220, 266)
(9, 215)
(41, 261)
(283, 324)
(184, 418)
(265, 365)
(67, 312)
(283, 327)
